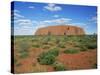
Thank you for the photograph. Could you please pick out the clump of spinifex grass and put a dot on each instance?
(36, 45)
(71, 51)
(59, 66)
(23, 49)
(48, 58)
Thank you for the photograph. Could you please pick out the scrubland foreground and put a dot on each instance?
(54, 53)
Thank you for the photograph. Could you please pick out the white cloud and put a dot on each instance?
(23, 21)
(79, 24)
(32, 7)
(24, 27)
(23, 31)
(62, 20)
(52, 22)
(93, 19)
(16, 14)
(58, 21)
(16, 11)
(53, 7)
(56, 16)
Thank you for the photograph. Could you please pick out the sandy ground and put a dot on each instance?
(82, 60)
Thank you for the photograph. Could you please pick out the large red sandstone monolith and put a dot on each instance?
(60, 30)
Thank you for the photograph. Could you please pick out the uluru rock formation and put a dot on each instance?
(60, 30)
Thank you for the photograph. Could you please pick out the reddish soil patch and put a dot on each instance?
(82, 60)
(30, 64)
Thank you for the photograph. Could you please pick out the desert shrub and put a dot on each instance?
(59, 66)
(83, 48)
(46, 40)
(51, 43)
(48, 57)
(24, 54)
(61, 45)
(86, 43)
(35, 46)
(34, 40)
(57, 41)
(82, 45)
(46, 46)
(71, 51)
(65, 38)
(54, 51)
(92, 46)
(24, 46)
(23, 49)
(18, 64)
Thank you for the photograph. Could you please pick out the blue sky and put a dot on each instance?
(29, 16)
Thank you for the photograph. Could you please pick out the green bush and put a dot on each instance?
(36, 46)
(71, 51)
(92, 46)
(61, 45)
(57, 41)
(48, 58)
(54, 52)
(23, 49)
(24, 54)
(18, 64)
(59, 66)
(46, 40)
(46, 47)
(24, 46)
(83, 48)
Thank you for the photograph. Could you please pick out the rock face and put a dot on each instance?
(60, 30)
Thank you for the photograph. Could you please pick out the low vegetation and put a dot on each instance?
(92, 46)
(35, 46)
(71, 51)
(23, 49)
(47, 52)
(48, 58)
(59, 66)
(61, 45)
(18, 64)
(83, 48)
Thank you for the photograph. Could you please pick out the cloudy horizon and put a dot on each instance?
(27, 17)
